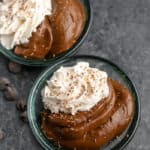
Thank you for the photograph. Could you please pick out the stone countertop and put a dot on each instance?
(121, 33)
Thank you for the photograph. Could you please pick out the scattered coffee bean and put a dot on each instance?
(14, 67)
(21, 104)
(1, 134)
(23, 117)
(4, 82)
(11, 148)
(11, 93)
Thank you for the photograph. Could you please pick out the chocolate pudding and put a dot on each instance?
(57, 33)
(39, 43)
(90, 129)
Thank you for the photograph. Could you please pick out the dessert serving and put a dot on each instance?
(84, 108)
(38, 29)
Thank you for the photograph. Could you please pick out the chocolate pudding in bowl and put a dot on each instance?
(42, 31)
(85, 104)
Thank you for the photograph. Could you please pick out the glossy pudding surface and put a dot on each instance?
(43, 29)
(95, 127)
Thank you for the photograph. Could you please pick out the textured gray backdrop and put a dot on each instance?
(120, 32)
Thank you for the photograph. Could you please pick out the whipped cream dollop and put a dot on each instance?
(74, 89)
(19, 18)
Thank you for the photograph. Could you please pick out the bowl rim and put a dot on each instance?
(70, 52)
(133, 125)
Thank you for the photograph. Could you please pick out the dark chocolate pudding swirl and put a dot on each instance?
(89, 130)
(57, 33)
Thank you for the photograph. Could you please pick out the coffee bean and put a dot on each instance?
(11, 93)
(14, 67)
(21, 104)
(1, 134)
(4, 82)
(11, 148)
(23, 117)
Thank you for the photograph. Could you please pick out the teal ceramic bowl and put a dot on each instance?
(29, 62)
(35, 105)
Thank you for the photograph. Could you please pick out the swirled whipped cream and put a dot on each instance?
(73, 89)
(19, 18)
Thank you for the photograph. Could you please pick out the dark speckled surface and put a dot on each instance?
(121, 33)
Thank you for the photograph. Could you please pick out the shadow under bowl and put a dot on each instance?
(35, 105)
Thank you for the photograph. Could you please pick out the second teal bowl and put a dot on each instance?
(9, 53)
